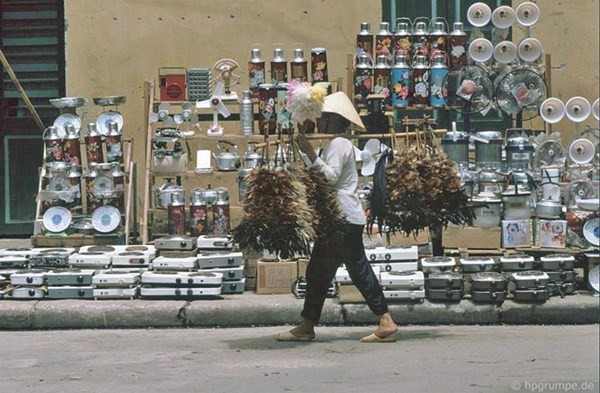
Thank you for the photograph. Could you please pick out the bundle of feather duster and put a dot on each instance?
(418, 188)
(286, 209)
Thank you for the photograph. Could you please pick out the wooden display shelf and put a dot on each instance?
(78, 240)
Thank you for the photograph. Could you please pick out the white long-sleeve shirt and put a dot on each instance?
(338, 163)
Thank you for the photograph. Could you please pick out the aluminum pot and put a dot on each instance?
(548, 209)
(252, 158)
(163, 194)
(227, 158)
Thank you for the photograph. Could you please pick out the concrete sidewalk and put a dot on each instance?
(250, 309)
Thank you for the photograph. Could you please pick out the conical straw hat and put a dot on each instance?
(340, 103)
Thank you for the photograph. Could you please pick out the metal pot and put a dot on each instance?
(548, 209)
(163, 194)
(456, 146)
(252, 158)
(83, 226)
(227, 159)
(488, 149)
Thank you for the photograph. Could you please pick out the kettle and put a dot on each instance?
(227, 159)
(252, 158)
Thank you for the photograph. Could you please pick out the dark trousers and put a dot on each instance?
(323, 264)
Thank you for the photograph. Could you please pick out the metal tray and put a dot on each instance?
(68, 102)
(110, 100)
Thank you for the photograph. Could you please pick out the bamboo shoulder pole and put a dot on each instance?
(22, 92)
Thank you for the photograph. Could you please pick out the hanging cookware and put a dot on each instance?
(227, 158)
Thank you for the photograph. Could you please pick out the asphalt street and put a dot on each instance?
(428, 359)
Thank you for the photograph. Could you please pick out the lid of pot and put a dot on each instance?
(490, 135)
(455, 136)
(510, 191)
(486, 197)
(487, 276)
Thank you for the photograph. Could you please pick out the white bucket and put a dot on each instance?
(550, 184)
(486, 216)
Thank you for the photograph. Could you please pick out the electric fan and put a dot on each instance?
(521, 92)
(218, 107)
(186, 117)
(226, 71)
(549, 153)
(469, 88)
(369, 156)
(596, 109)
(163, 116)
(581, 189)
(552, 110)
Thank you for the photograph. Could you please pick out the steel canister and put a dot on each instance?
(420, 38)
(282, 115)
(384, 42)
(176, 215)
(420, 78)
(364, 41)
(403, 38)
(488, 150)
(242, 182)
(267, 109)
(72, 147)
(456, 146)
(382, 75)
(198, 215)
(299, 66)
(93, 145)
(278, 67)
(363, 79)
(318, 65)
(118, 178)
(457, 50)
(54, 145)
(114, 146)
(74, 180)
(519, 154)
(256, 71)
(92, 202)
(437, 91)
(438, 38)
(401, 82)
(246, 114)
(221, 216)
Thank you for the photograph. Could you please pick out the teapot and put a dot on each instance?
(252, 158)
(227, 159)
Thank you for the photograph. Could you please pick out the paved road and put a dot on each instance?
(425, 359)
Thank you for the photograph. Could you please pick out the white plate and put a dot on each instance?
(594, 278)
(65, 119)
(106, 219)
(56, 219)
(106, 117)
(591, 231)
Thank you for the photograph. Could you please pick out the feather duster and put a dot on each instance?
(327, 217)
(276, 216)
(305, 101)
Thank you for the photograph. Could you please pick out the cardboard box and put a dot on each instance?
(302, 265)
(472, 237)
(348, 293)
(551, 233)
(275, 277)
(516, 233)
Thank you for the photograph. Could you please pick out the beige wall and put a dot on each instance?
(113, 46)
